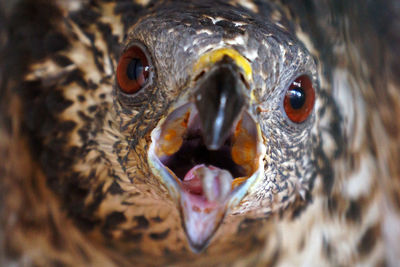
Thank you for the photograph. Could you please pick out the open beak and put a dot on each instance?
(209, 151)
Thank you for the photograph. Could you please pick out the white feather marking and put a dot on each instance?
(251, 54)
(207, 31)
(71, 5)
(351, 105)
(238, 40)
(360, 182)
(247, 4)
(142, 2)
(215, 20)
(305, 39)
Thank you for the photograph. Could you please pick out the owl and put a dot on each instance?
(201, 133)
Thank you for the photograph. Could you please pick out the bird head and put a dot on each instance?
(221, 105)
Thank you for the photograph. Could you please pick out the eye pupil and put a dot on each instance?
(134, 69)
(297, 97)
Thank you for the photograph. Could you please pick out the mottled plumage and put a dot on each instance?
(78, 183)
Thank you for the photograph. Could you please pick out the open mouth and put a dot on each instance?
(204, 181)
(208, 175)
(209, 151)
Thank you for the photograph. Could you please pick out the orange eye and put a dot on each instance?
(299, 99)
(133, 70)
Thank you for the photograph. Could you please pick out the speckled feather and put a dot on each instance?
(76, 188)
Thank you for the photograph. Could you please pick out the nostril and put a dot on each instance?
(201, 74)
(246, 84)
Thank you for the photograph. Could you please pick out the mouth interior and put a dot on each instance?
(194, 152)
(199, 171)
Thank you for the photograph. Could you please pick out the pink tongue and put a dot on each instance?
(192, 182)
(210, 182)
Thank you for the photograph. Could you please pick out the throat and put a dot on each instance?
(194, 152)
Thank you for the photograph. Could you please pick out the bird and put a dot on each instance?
(203, 133)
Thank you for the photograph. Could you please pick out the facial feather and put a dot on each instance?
(78, 147)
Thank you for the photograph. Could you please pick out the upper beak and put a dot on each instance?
(220, 98)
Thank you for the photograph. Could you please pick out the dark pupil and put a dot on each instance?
(135, 68)
(297, 97)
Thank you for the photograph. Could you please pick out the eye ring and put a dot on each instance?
(133, 70)
(299, 99)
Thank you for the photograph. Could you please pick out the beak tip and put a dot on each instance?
(215, 138)
(213, 145)
(197, 247)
